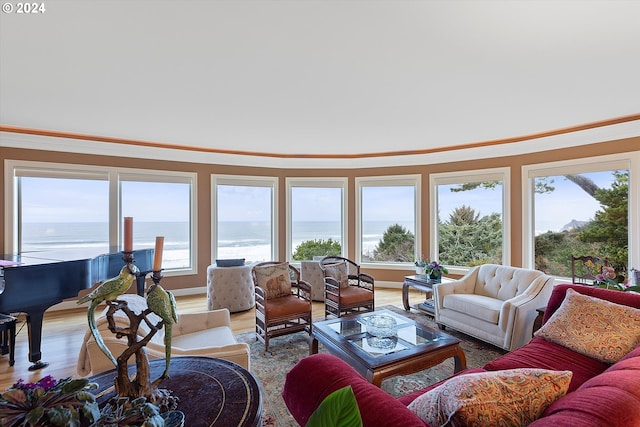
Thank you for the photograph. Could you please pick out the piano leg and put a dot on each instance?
(34, 328)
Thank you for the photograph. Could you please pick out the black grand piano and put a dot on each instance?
(31, 283)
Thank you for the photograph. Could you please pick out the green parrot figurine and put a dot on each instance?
(163, 304)
(109, 290)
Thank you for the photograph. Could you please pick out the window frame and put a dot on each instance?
(414, 180)
(341, 183)
(114, 175)
(243, 181)
(628, 161)
(461, 177)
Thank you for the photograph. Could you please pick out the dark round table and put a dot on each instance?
(212, 392)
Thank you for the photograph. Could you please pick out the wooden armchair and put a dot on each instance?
(283, 301)
(584, 269)
(347, 290)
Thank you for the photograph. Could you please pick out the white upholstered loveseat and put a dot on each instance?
(493, 303)
(206, 333)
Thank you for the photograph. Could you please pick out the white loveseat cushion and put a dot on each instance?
(221, 336)
(478, 306)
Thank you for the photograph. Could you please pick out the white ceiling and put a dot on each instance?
(319, 77)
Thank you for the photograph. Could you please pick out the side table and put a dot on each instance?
(422, 283)
(537, 323)
(211, 392)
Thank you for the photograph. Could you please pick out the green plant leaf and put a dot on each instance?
(339, 409)
(15, 396)
(154, 421)
(85, 396)
(74, 385)
(34, 415)
(61, 416)
(91, 410)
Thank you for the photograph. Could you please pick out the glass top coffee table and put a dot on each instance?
(414, 347)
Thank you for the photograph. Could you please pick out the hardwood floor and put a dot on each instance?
(63, 332)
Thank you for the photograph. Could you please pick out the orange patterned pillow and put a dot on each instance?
(597, 328)
(274, 279)
(514, 397)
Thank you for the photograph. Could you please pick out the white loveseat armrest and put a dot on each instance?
(464, 285)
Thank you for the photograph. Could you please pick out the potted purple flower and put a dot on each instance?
(435, 270)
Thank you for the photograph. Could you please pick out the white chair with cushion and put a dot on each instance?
(205, 333)
(493, 303)
(311, 272)
(230, 288)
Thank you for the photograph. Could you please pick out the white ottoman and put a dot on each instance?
(230, 287)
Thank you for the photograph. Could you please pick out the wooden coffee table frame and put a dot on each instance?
(376, 368)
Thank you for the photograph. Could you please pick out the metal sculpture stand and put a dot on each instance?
(141, 384)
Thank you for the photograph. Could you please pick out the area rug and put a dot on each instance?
(284, 352)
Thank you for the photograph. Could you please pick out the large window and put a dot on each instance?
(315, 220)
(388, 226)
(160, 208)
(72, 212)
(244, 218)
(63, 217)
(578, 208)
(469, 220)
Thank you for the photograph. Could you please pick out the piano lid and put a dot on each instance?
(141, 256)
(16, 260)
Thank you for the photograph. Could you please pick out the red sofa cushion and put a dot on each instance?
(542, 354)
(609, 399)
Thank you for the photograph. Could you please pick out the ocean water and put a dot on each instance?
(88, 239)
(236, 239)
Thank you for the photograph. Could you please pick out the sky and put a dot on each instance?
(64, 200)
(568, 202)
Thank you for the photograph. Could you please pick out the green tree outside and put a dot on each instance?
(606, 236)
(466, 239)
(397, 245)
(310, 248)
(611, 224)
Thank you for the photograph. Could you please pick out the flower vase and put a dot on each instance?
(419, 270)
(435, 278)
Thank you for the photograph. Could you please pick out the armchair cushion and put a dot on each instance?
(339, 271)
(600, 329)
(286, 306)
(514, 397)
(274, 279)
(351, 295)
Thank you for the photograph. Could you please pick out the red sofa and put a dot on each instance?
(599, 394)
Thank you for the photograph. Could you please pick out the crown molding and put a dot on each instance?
(601, 131)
